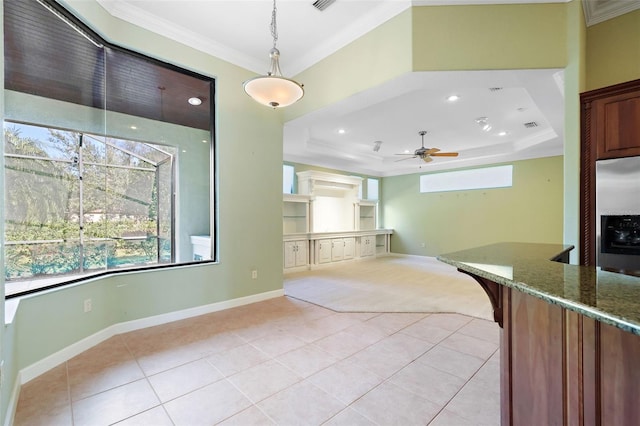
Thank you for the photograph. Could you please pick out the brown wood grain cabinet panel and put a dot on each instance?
(537, 361)
(618, 125)
(620, 376)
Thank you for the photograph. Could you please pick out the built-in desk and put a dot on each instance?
(570, 338)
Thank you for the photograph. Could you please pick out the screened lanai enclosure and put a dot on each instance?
(108, 154)
(77, 203)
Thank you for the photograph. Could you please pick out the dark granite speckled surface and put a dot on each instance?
(605, 296)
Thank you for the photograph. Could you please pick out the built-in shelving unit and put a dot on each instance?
(326, 222)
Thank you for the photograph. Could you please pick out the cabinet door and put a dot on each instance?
(367, 245)
(349, 248)
(301, 256)
(289, 254)
(324, 251)
(617, 125)
(337, 249)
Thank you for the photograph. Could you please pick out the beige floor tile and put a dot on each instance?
(277, 343)
(477, 403)
(223, 341)
(252, 416)
(307, 360)
(389, 404)
(342, 344)
(45, 398)
(390, 355)
(154, 417)
(482, 329)
(336, 322)
(349, 417)
(208, 405)
(366, 332)
(431, 384)
(345, 381)
(451, 322)
(103, 367)
(470, 345)
(115, 404)
(452, 362)
(427, 332)
(301, 404)
(447, 418)
(264, 380)
(182, 358)
(393, 322)
(181, 380)
(237, 359)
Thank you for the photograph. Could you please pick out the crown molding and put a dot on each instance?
(134, 15)
(597, 11)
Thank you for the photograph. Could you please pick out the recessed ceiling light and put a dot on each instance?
(204, 141)
(342, 131)
(195, 101)
(133, 127)
(502, 133)
(453, 98)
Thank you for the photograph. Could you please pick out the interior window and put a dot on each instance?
(372, 189)
(486, 177)
(108, 154)
(288, 173)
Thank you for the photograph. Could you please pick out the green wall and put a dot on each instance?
(489, 37)
(529, 211)
(613, 51)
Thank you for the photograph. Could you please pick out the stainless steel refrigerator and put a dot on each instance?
(618, 214)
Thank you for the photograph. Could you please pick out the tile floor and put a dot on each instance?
(284, 362)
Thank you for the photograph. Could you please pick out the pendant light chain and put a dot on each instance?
(274, 25)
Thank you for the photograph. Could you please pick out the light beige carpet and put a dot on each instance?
(391, 284)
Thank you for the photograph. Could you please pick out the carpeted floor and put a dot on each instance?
(393, 283)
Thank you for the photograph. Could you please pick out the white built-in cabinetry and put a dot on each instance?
(327, 223)
(296, 253)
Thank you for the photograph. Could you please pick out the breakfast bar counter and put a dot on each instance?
(570, 338)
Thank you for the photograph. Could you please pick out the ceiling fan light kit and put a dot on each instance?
(273, 89)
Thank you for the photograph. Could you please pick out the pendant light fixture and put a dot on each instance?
(273, 89)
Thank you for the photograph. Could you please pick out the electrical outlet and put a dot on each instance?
(254, 274)
(87, 305)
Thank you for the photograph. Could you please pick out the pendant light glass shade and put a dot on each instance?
(273, 89)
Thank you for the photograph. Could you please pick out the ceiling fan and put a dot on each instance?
(425, 154)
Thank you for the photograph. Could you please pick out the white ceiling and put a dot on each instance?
(238, 31)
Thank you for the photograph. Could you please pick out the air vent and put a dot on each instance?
(321, 5)
(495, 89)
(530, 124)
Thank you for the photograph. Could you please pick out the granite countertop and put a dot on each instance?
(605, 296)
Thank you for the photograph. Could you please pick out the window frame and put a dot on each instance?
(80, 26)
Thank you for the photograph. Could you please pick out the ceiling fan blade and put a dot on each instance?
(427, 159)
(431, 151)
(402, 159)
(406, 154)
(445, 154)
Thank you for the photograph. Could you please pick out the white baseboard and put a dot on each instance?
(36, 369)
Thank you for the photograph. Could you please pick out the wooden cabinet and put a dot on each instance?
(610, 128)
(343, 249)
(367, 245)
(615, 121)
(296, 253)
(561, 367)
(323, 249)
